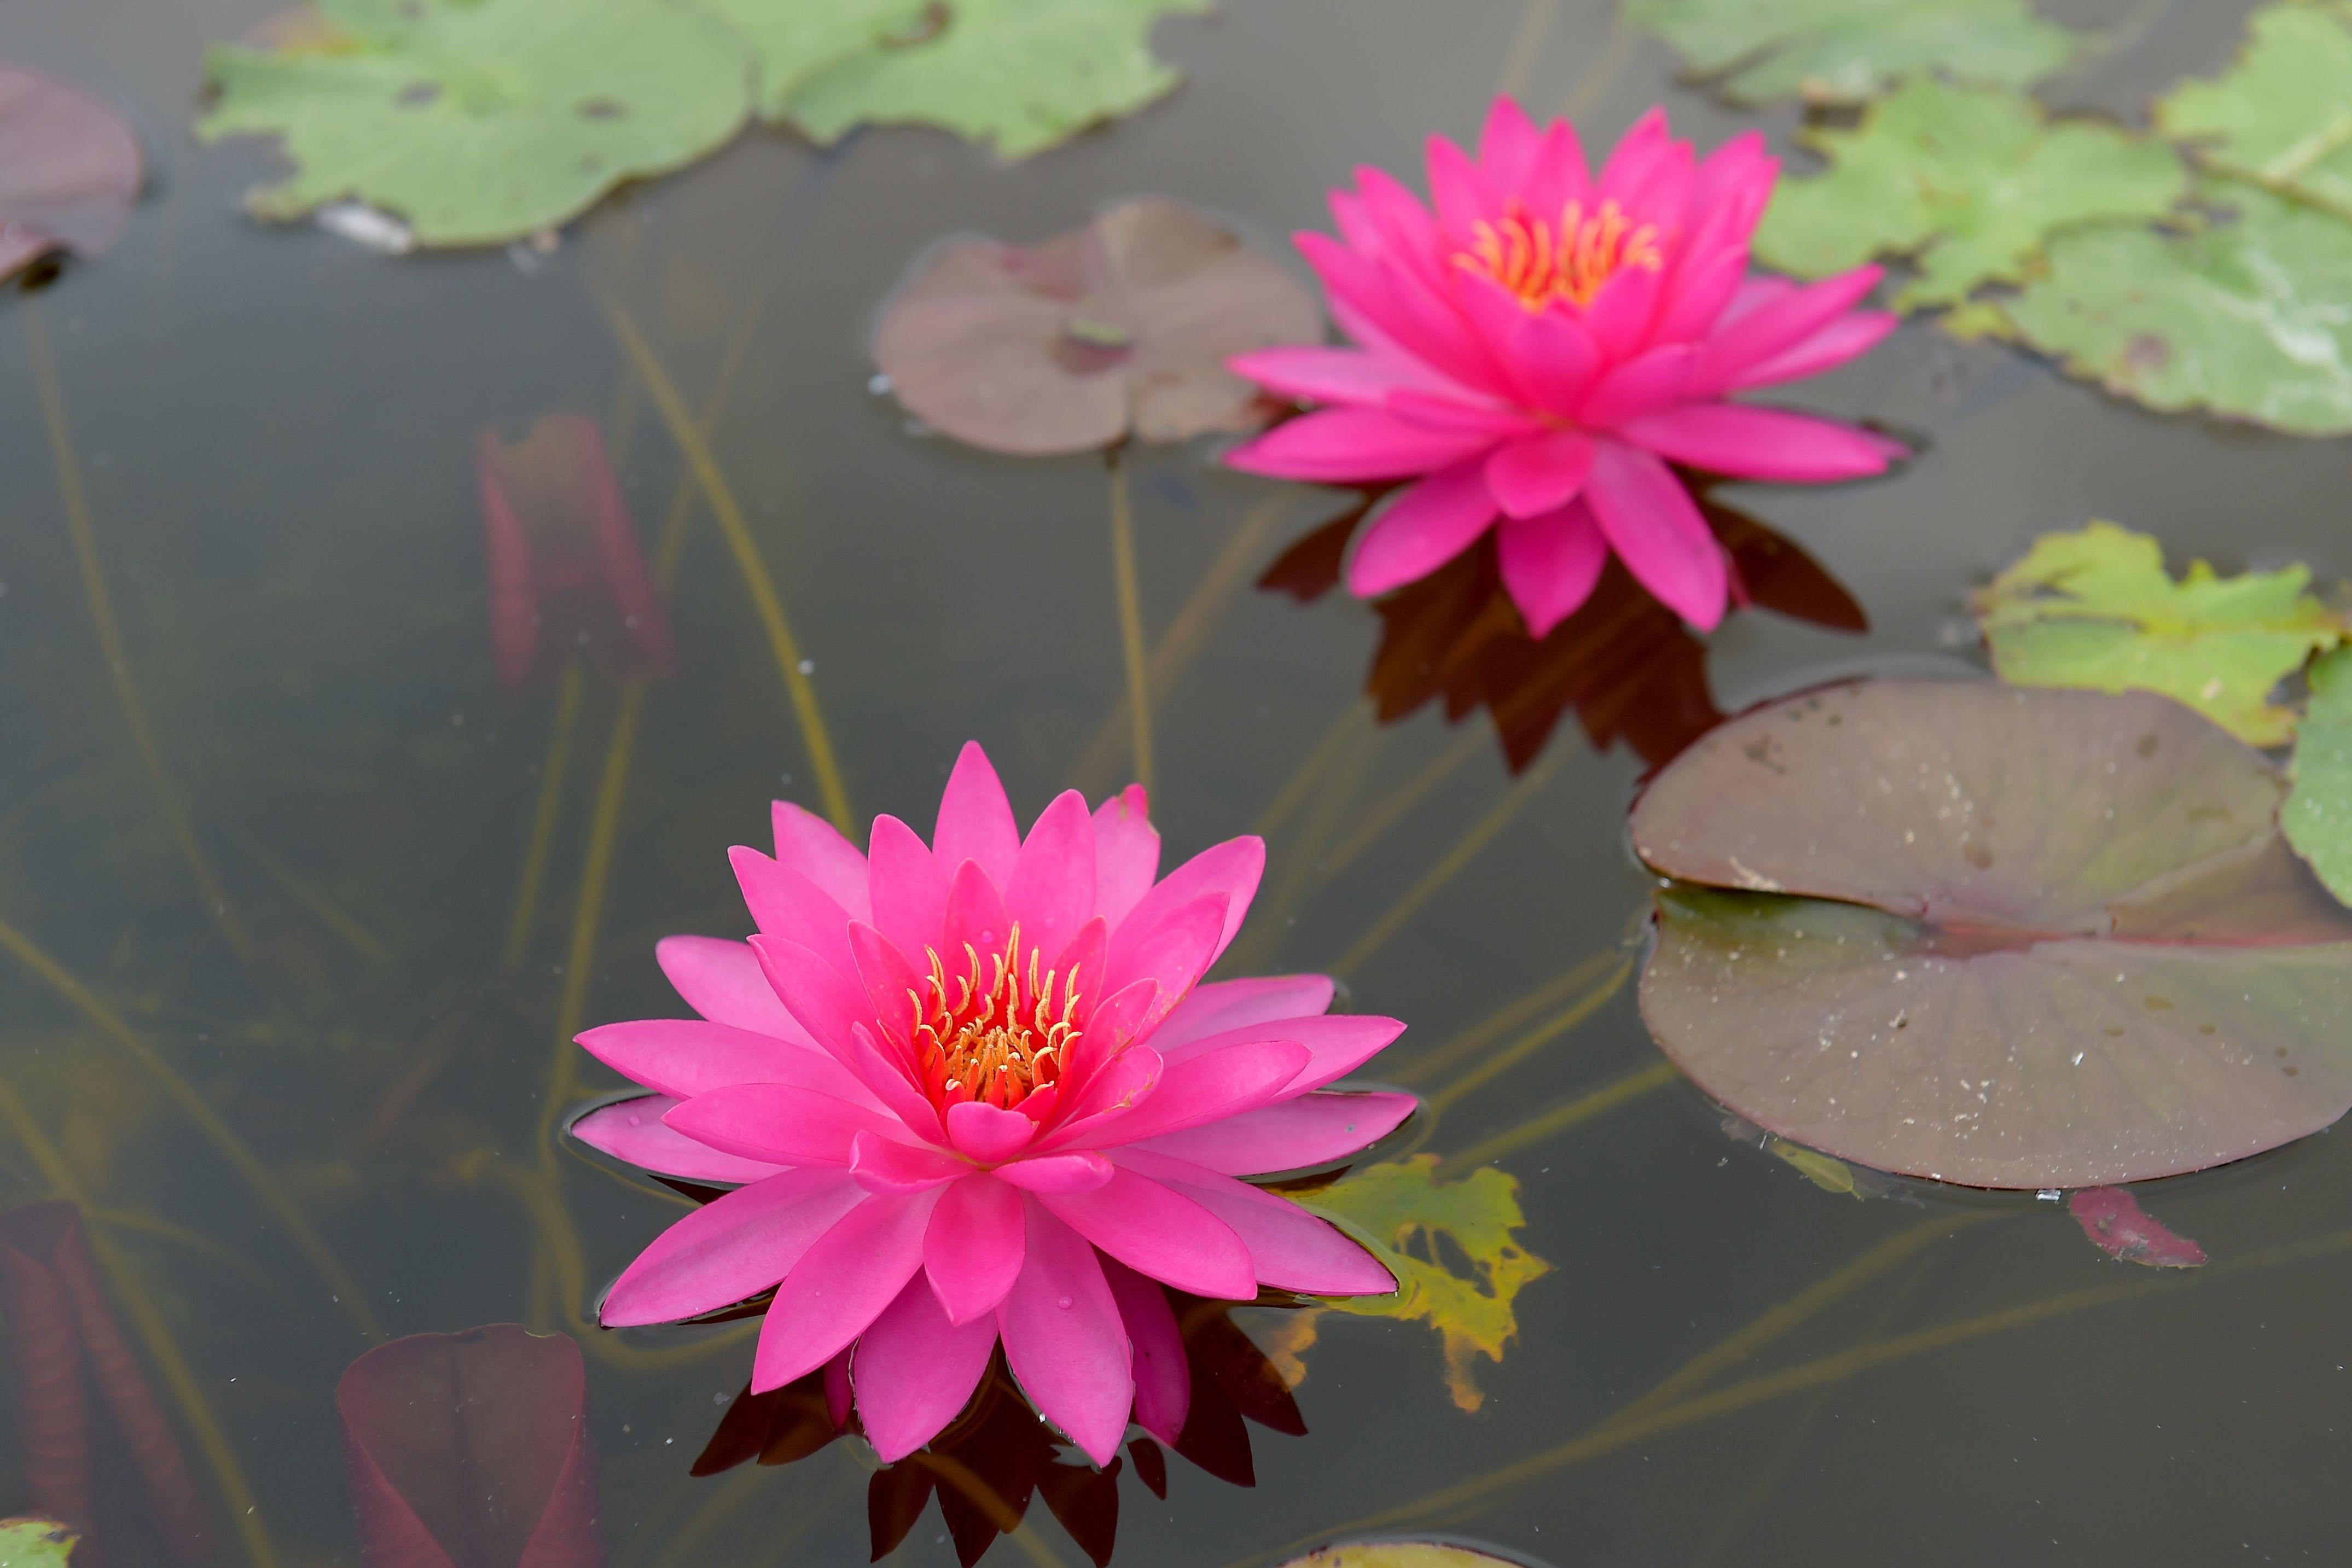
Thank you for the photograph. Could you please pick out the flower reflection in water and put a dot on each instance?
(1625, 663)
(997, 1457)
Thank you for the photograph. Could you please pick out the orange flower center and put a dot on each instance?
(999, 1039)
(1540, 261)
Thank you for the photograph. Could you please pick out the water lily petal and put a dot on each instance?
(1052, 893)
(1351, 445)
(1290, 1248)
(987, 1134)
(1855, 332)
(1656, 528)
(914, 1370)
(1648, 381)
(1337, 1044)
(816, 849)
(1231, 869)
(828, 1003)
(1537, 474)
(1077, 1173)
(972, 1251)
(1289, 1135)
(730, 1248)
(1550, 563)
(883, 1165)
(1558, 360)
(1064, 1339)
(1329, 374)
(1221, 1005)
(1163, 1378)
(1779, 323)
(1161, 1233)
(1198, 1090)
(975, 821)
(687, 1056)
(1127, 853)
(786, 904)
(720, 979)
(1423, 529)
(1758, 443)
(911, 886)
(840, 1285)
(632, 1130)
(782, 1125)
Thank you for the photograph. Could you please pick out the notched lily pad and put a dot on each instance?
(1023, 74)
(69, 170)
(1399, 1212)
(1123, 325)
(2242, 316)
(1970, 181)
(2000, 937)
(481, 120)
(2278, 116)
(2317, 816)
(1842, 51)
(2094, 608)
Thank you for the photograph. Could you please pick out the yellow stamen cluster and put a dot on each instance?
(1541, 261)
(1000, 1041)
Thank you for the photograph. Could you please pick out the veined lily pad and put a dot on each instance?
(1024, 74)
(2094, 608)
(1970, 181)
(2279, 116)
(2000, 937)
(482, 120)
(1124, 324)
(1841, 51)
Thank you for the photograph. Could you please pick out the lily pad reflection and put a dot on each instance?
(1999, 937)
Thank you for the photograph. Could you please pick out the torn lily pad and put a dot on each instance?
(69, 170)
(479, 121)
(2317, 816)
(1122, 326)
(2243, 316)
(1842, 52)
(2279, 117)
(2096, 608)
(1387, 1208)
(1968, 182)
(2000, 937)
(1022, 73)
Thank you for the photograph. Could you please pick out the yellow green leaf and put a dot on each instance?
(1397, 1554)
(1401, 1211)
(1830, 1175)
(2096, 608)
(37, 1543)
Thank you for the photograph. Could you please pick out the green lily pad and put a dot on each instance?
(481, 120)
(1397, 1554)
(2280, 117)
(1024, 74)
(1997, 936)
(2094, 608)
(2317, 816)
(1842, 52)
(2243, 316)
(37, 1543)
(1386, 1208)
(797, 39)
(1967, 181)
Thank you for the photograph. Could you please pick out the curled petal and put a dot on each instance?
(987, 1134)
(1080, 1172)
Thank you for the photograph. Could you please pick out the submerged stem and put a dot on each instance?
(1560, 1118)
(1130, 617)
(208, 1121)
(1398, 802)
(595, 873)
(695, 448)
(155, 1335)
(1461, 1085)
(109, 637)
(543, 819)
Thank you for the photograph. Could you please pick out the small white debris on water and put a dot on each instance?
(371, 228)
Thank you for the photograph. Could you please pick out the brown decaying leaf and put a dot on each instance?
(69, 170)
(2119, 1227)
(1122, 326)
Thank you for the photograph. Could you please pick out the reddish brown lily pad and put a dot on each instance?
(2000, 937)
(2119, 1227)
(1123, 326)
(69, 170)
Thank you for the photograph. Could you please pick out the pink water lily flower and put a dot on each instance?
(975, 1090)
(1544, 344)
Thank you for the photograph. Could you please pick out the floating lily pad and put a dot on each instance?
(2094, 608)
(1023, 74)
(37, 1543)
(2119, 1227)
(1397, 1554)
(2317, 816)
(1967, 181)
(2243, 316)
(797, 40)
(2280, 116)
(1123, 325)
(1388, 1207)
(1841, 51)
(69, 170)
(2002, 937)
(482, 120)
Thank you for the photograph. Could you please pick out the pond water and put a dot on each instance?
(267, 437)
